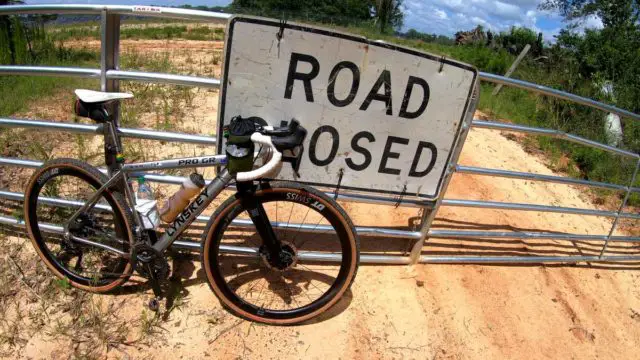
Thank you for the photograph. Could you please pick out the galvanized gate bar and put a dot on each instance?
(526, 207)
(208, 140)
(177, 180)
(479, 235)
(163, 78)
(361, 230)
(141, 76)
(51, 125)
(195, 246)
(162, 12)
(49, 71)
(462, 169)
(167, 136)
(556, 93)
(552, 133)
(522, 259)
(377, 231)
(97, 129)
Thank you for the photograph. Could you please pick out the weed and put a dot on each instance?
(18, 214)
(62, 284)
(149, 324)
(82, 148)
(217, 58)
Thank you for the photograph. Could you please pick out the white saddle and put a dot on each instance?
(90, 96)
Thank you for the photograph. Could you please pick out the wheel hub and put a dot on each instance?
(286, 259)
(83, 225)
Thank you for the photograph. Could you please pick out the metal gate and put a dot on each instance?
(110, 76)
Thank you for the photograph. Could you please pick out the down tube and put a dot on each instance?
(194, 209)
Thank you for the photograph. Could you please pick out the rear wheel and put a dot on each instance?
(54, 193)
(315, 267)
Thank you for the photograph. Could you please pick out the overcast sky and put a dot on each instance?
(431, 16)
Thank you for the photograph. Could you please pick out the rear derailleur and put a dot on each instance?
(154, 266)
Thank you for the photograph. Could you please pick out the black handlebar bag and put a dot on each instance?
(239, 147)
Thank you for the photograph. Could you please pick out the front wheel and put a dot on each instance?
(316, 266)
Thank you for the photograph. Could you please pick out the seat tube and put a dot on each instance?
(112, 146)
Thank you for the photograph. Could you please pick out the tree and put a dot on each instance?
(613, 13)
(517, 38)
(600, 56)
(341, 12)
(7, 30)
(388, 14)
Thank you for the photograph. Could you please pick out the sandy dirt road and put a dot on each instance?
(426, 311)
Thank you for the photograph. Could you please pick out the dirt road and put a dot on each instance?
(429, 311)
(423, 312)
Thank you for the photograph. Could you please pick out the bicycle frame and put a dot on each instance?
(122, 172)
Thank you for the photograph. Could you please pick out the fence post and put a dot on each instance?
(428, 217)
(512, 68)
(620, 209)
(109, 60)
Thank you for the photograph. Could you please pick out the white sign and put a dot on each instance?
(385, 117)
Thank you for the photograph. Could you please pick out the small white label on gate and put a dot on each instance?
(151, 9)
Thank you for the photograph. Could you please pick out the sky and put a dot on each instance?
(432, 16)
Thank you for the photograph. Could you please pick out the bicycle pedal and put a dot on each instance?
(154, 304)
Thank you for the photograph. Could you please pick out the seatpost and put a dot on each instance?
(112, 147)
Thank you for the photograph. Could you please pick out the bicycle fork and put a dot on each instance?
(272, 247)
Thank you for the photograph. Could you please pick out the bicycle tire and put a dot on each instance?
(272, 192)
(121, 214)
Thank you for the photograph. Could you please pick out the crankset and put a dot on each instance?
(151, 263)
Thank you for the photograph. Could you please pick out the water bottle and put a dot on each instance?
(178, 201)
(147, 206)
(144, 191)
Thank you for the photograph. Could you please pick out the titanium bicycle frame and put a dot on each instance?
(125, 171)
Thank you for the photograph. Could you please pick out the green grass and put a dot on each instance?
(24, 90)
(144, 32)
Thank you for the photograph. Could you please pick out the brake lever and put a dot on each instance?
(295, 160)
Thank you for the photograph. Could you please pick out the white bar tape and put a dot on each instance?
(268, 167)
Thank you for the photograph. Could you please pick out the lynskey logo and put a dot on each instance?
(183, 218)
(47, 174)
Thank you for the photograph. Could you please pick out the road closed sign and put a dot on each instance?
(381, 118)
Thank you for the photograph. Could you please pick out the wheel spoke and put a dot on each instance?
(90, 261)
(292, 287)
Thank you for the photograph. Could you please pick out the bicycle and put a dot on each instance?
(85, 227)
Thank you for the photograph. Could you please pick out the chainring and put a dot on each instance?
(149, 258)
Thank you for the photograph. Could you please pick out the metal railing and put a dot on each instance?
(110, 75)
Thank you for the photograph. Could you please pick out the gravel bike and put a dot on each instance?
(276, 252)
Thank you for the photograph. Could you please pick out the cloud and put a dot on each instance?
(593, 22)
(441, 14)
(449, 16)
(550, 35)
(507, 11)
